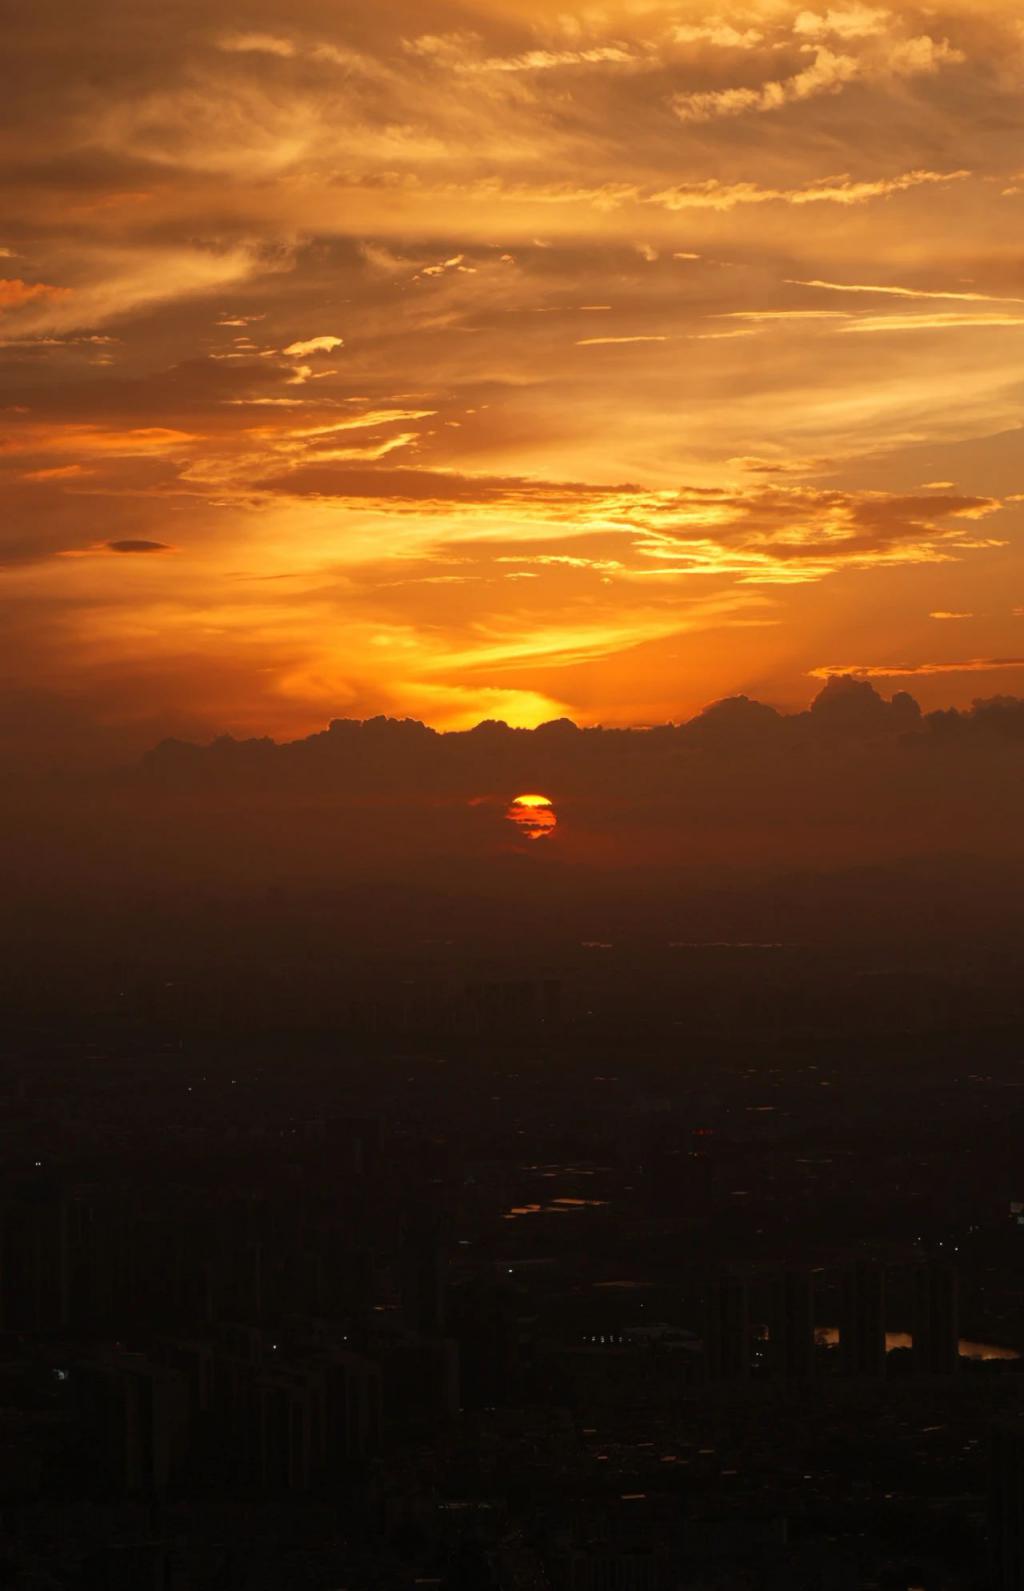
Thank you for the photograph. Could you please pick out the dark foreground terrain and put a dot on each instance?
(611, 1266)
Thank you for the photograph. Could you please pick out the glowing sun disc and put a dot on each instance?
(533, 816)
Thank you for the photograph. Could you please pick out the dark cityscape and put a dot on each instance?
(606, 1266)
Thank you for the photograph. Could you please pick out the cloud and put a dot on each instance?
(457, 263)
(785, 314)
(717, 32)
(951, 321)
(461, 53)
(906, 292)
(15, 294)
(86, 439)
(115, 281)
(848, 321)
(777, 536)
(846, 22)
(941, 613)
(256, 44)
(593, 342)
(314, 345)
(57, 472)
(549, 60)
(974, 665)
(829, 72)
(713, 194)
(138, 546)
(128, 547)
(827, 75)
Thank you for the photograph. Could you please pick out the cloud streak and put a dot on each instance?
(974, 665)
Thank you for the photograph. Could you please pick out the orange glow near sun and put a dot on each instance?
(533, 816)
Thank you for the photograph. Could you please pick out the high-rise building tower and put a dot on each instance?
(862, 1328)
(791, 1325)
(936, 1337)
(727, 1329)
(423, 1266)
(1006, 1507)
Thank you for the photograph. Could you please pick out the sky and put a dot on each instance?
(505, 360)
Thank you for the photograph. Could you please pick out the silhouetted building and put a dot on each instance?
(862, 1327)
(35, 1261)
(487, 1332)
(791, 1325)
(508, 1007)
(136, 1416)
(423, 1265)
(936, 1333)
(355, 1144)
(1006, 1507)
(129, 1566)
(626, 1567)
(727, 1329)
(353, 1410)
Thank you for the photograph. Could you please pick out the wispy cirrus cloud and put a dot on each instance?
(595, 342)
(973, 665)
(907, 292)
(15, 294)
(713, 194)
(105, 283)
(946, 321)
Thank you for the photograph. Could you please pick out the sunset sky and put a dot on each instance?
(506, 359)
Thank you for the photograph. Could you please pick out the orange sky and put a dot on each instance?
(500, 359)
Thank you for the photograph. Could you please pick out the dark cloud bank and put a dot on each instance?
(854, 780)
(860, 845)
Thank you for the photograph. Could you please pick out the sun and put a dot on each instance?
(533, 815)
